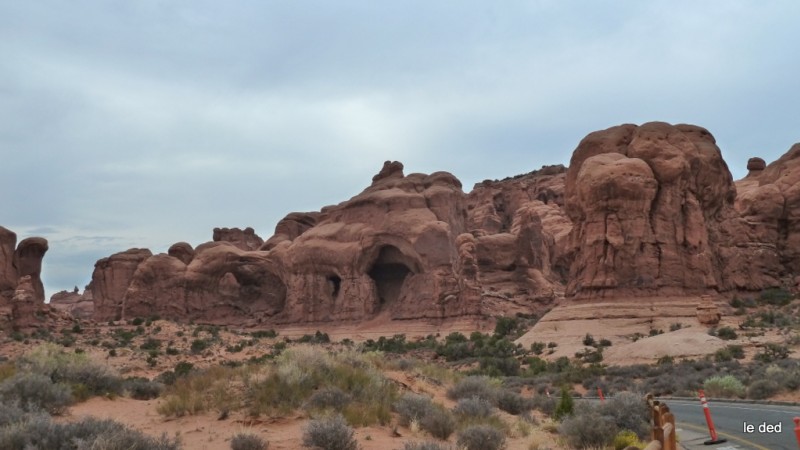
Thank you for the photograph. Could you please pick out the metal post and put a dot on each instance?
(711, 429)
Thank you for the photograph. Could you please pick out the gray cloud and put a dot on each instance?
(146, 123)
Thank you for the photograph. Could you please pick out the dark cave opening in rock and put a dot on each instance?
(335, 283)
(389, 272)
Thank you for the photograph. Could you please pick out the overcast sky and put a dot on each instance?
(143, 123)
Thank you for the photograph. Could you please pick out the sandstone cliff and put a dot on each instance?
(642, 211)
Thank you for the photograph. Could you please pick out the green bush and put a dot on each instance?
(775, 297)
(247, 441)
(627, 438)
(726, 333)
(566, 406)
(726, 386)
(772, 352)
(481, 437)
(588, 339)
(332, 398)
(329, 434)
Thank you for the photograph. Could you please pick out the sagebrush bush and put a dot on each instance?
(544, 404)
(38, 431)
(424, 446)
(511, 402)
(142, 388)
(474, 386)
(34, 391)
(473, 408)
(10, 413)
(85, 376)
(629, 412)
(328, 398)
(329, 434)
(412, 407)
(438, 422)
(726, 386)
(587, 428)
(247, 441)
(481, 437)
(762, 389)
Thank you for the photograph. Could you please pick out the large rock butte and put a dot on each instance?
(642, 211)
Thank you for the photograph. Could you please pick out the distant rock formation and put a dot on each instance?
(21, 289)
(79, 306)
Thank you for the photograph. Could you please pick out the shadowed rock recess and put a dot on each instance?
(642, 211)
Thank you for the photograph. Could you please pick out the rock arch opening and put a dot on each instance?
(389, 272)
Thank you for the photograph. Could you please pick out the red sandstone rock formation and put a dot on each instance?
(79, 306)
(647, 202)
(642, 211)
(21, 290)
(769, 202)
(246, 239)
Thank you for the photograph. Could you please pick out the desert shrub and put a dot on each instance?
(775, 297)
(726, 386)
(727, 333)
(247, 441)
(629, 412)
(588, 429)
(543, 404)
(200, 391)
(411, 407)
(142, 388)
(35, 392)
(675, 326)
(506, 367)
(588, 339)
(481, 437)
(73, 369)
(511, 402)
(473, 408)
(762, 389)
(198, 345)
(627, 438)
(423, 446)
(565, 406)
(329, 434)
(604, 343)
(474, 386)
(10, 413)
(39, 432)
(537, 348)
(328, 398)
(772, 352)
(438, 422)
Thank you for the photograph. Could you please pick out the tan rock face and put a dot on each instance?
(21, 289)
(28, 262)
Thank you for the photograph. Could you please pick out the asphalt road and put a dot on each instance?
(729, 420)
